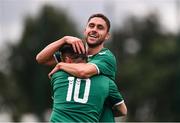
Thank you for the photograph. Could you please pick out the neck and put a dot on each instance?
(94, 50)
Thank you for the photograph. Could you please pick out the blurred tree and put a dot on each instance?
(147, 64)
(176, 89)
(31, 78)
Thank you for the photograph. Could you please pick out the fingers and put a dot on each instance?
(74, 48)
(80, 47)
(49, 75)
(77, 44)
(55, 69)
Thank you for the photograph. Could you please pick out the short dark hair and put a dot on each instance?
(68, 49)
(99, 15)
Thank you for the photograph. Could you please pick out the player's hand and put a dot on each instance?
(56, 68)
(76, 43)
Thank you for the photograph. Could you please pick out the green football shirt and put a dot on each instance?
(81, 100)
(105, 63)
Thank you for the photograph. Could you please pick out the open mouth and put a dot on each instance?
(93, 35)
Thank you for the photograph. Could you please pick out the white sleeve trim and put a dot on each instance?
(96, 67)
(119, 103)
(55, 58)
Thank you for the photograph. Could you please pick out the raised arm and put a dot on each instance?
(46, 55)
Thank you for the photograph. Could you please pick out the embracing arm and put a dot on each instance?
(46, 55)
(81, 70)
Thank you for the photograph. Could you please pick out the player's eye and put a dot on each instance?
(100, 27)
(91, 25)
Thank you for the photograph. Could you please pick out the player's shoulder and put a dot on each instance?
(106, 52)
(101, 76)
(59, 74)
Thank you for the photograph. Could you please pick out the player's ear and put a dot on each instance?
(107, 36)
(84, 31)
(68, 60)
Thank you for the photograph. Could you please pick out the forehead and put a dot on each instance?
(98, 20)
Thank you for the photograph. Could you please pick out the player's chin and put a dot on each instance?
(92, 40)
(91, 43)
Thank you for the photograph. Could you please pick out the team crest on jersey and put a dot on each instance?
(101, 53)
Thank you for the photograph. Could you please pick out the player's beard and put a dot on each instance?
(96, 44)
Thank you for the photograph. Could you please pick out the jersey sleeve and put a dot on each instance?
(115, 96)
(105, 64)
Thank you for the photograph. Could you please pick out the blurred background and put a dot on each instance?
(145, 38)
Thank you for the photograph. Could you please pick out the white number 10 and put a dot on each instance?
(76, 90)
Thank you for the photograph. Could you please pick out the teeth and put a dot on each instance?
(94, 36)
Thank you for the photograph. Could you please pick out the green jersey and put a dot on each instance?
(105, 63)
(81, 100)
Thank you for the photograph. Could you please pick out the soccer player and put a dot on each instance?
(100, 60)
(81, 100)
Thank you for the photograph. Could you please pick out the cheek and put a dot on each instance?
(102, 34)
(86, 30)
(85, 33)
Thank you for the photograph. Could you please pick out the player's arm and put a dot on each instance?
(46, 55)
(103, 64)
(119, 109)
(81, 70)
(116, 100)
